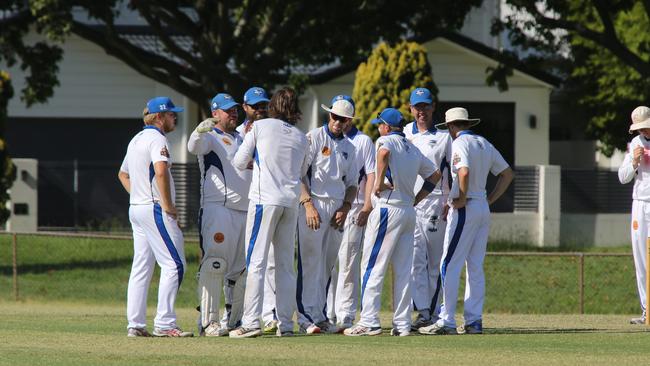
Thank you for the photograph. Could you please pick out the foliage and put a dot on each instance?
(206, 46)
(387, 78)
(7, 167)
(600, 47)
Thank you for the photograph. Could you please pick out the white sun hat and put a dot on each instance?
(640, 118)
(341, 108)
(457, 114)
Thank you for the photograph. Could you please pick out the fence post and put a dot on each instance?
(15, 264)
(581, 281)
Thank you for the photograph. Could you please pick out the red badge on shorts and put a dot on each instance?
(219, 237)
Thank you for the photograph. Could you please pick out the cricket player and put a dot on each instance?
(347, 284)
(278, 151)
(389, 234)
(145, 174)
(430, 225)
(327, 194)
(468, 221)
(636, 166)
(256, 103)
(222, 217)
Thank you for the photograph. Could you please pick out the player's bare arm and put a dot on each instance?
(124, 179)
(362, 218)
(162, 180)
(504, 180)
(463, 185)
(338, 219)
(427, 187)
(382, 166)
(311, 213)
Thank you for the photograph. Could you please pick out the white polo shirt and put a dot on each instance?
(365, 159)
(435, 145)
(220, 182)
(279, 152)
(405, 163)
(333, 165)
(641, 175)
(480, 157)
(146, 148)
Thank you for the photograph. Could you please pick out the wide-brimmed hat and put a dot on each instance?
(640, 118)
(458, 114)
(341, 107)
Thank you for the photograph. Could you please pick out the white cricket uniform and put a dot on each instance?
(224, 202)
(279, 151)
(332, 171)
(468, 227)
(640, 223)
(156, 235)
(347, 285)
(429, 233)
(389, 233)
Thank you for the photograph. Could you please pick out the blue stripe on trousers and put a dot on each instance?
(381, 233)
(454, 242)
(259, 209)
(299, 305)
(201, 233)
(434, 300)
(160, 224)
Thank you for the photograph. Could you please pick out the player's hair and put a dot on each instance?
(284, 105)
(394, 128)
(147, 117)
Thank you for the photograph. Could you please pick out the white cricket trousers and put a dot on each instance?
(156, 238)
(388, 239)
(639, 228)
(266, 224)
(465, 243)
(347, 286)
(317, 255)
(428, 240)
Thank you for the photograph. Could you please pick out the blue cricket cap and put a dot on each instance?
(421, 95)
(389, 116)
(255, 95)
(343, 97)
(222, 101)
(162, 104)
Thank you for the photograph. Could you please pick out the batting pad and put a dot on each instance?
(211, 276)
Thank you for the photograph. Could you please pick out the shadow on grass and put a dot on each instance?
(561, 330)
(38, 268)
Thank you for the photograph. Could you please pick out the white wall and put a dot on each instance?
(595, 229)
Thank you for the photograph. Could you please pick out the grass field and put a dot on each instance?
(74, 334)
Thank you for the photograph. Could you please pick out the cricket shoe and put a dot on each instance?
(242, 332)
(436, 329)
(286, 333)
(309, 328)
(400, 333)
(420, 322)
(640, 320)
(171, 332)
(343, 326)
(360, 330)
(475, 327)
(327, 327)
(214, 329)
(137, 332)
(271, 326)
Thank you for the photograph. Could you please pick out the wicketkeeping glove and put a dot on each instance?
(206, 126)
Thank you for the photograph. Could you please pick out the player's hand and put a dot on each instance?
(459, 202)
(382, 186)
(362, 217)
(206, 126)
(313, 218)
(172, 212)
(445, 211)
(338, 219)
(638, 154)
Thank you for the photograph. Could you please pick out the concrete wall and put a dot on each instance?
(595, 229)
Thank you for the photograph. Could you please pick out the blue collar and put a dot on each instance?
(153, 128)
(218, 131)
(431, 130)
(353, 132)
(465, 132)
(397, 133)
(327, 130)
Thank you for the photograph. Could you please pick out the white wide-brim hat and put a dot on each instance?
(341, 108)
(458, 114)
(640, 118)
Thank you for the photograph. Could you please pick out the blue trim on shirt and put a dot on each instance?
(149, 127)
(330, 134)
(160, 224)
(431, 130)
(352, 133)
(465, 132)
(389, 176)
(381, 233)
(397, 133)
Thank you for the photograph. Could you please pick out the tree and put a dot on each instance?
(214, 45)
(387, 78)
(602, 48)
(7, 167)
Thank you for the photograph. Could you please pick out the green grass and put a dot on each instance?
(96, 271)
(75, 334)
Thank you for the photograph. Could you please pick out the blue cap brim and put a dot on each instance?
(415, 101)
(226, 106)
(376, 121)
(254, 101)
(177, 109)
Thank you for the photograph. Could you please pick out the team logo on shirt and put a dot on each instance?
(164, 152)
(456, 159)
(326, 151)
(432, 143)
(226, 141)
(219, 237)
(345, 155)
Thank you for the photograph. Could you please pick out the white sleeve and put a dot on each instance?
(198, 143)
(459, 155)
(159, 150)
(499, 164)
(246, 150)
(368, 151)
(427, 167)
(352, 174)
(626, 171)
(125, 166)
